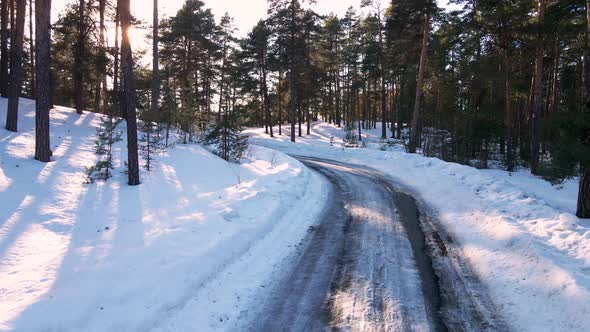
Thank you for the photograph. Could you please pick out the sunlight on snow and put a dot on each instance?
(12, 221)
(170, 175)
(195, 216)
(263, 167)
(5, 182)
(21, 146)
(31, 270)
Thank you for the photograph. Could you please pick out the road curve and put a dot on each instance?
(363, 268)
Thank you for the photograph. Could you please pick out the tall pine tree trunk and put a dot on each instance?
(280, 101)
(129, 82)
(414, 138)
(383, 109)
(538, 91)
(222, 84)
(155, 63)
(79, 61)
(383, 92)
(116, 65)
(555, 79)
(508, 109)
(292, 74)
(4, 48)
(265, 95)
(99, 68)
(102, 95)
(16, 56)
(337, 101)
(357, 99)
(43, 44)
(32, 49)
(583, 210)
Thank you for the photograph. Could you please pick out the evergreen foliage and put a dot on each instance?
(500, 83)
(226, 139)
(350, 135)
(151, 141)
(107, 135)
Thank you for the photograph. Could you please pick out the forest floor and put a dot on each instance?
(188, 248)
(515, 232)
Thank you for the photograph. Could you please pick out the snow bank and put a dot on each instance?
(199, 233)
(517, 231)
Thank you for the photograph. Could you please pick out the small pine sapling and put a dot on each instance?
(107, 135)
(350, 136)
(227, 140)
(151, 142)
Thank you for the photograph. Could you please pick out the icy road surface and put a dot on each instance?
(359, 270)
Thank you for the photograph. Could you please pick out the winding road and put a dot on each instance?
(363, 268)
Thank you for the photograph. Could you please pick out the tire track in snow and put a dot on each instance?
(358, 271)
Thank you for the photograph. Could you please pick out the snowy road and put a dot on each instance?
(359, 270)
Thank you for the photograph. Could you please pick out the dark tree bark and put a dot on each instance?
(127, 64)
(42, 44)
(101, 81)
(116, 66)
(32, 48)
(79, 61)
(383, 91)
(583, 210)
(383, 109)
(12, 19)
(414, 137)
(337, 101)
(155, 62)
(221, 87)
(509, 121)
(265, 96)
(16, 56)
(292, 74)
(4, 48)
(280, 102)
(104, 46)
(554, 103)
(299, 119)
(538, 91)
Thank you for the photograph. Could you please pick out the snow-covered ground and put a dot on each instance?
(187, 249)
(517, 231)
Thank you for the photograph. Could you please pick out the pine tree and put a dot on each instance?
(79, 59)
(4, 55)
(285, 18)
(415, 134)
(16, 56)
(169, 108)
(583, 209)
(31, 49)
(537, 106)
(106, 136)
(100, 102)
(226, 139)
(155, 62)
(43, 45)
(130, 95)
(256, 58)
(151, 142)
(95, 64)
(379, 45)
(350, 135)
